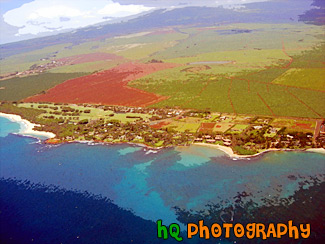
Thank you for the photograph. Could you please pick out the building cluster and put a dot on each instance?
(75, 122)
(136, 132)
(36, 69)
(258, 135)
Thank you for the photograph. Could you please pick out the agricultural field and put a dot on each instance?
(306, 78)
(244, 37)
(211, 124)
(90, 57)
(131, 47)
(108, 87)
(190, 125)
(207, 127)
(222, 127)
(239, 128)
(295, 125)
(248, 79)
(252, 69)
(91, 67)
(242, 119)
(11, 89)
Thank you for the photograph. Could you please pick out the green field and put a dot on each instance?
(85, 67)
(222, 127)
(94, 114)
(313, 78)
(182, 127)
(238, 128)
(188, 124)
(18, 88)
(262, 81)
(262, 36)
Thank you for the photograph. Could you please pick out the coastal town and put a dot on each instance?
(167, 127)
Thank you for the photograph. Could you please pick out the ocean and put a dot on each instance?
(93, 193)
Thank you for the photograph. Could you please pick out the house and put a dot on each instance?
(285, 142)
(218, 137)
(322, 129)
(211, 141)
(257, 127)
(226, 140)
(198, 139)
(273, 144)
(273, 130)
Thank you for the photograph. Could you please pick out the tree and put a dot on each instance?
(83, 122)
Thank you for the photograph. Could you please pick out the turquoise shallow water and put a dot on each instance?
(6, 126)
(152, 186)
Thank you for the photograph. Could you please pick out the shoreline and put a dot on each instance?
(233, 155)
(105, 143)
(26, 127)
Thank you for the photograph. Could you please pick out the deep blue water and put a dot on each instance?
(81, 193)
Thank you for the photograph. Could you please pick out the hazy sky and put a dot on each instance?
(22, 17)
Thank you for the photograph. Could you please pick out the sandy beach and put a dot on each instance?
(316, 150)
(231, 153)
(26, 127)
(227, 150)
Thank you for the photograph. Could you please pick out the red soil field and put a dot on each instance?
(302, 126)
(160, 125)
(207, 126)
(107, 87)
(90, 57)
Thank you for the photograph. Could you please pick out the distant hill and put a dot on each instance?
(316, 15)
(264, 12)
